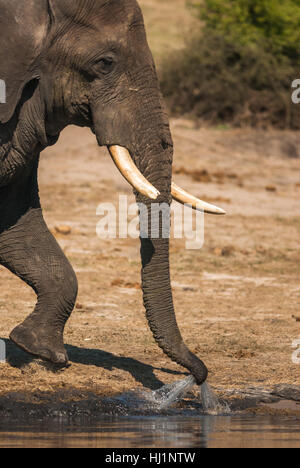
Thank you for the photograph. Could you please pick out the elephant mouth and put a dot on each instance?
(135, 178)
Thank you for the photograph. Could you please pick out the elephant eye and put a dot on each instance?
(105, 65)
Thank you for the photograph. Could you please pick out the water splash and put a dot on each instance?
(163, 398)
(153, 401)
(210, 402)
(167, 395)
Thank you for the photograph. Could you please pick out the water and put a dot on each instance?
(238, 431)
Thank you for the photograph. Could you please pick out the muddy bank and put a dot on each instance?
(73, 405)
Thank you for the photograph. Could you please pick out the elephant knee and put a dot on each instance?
(59, 287)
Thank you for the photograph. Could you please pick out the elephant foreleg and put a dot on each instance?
(29, 250)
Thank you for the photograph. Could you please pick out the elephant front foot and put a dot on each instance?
(41, 341)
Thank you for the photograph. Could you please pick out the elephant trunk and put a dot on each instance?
(156, 285)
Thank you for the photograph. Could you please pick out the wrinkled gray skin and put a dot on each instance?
(82, 62)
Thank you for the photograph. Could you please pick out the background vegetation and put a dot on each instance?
(238, 64)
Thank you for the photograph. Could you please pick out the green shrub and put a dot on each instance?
(276, 22)
(240, 65)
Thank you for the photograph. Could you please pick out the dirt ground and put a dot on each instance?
(237, 299)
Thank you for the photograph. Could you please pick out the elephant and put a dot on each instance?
(85, 63)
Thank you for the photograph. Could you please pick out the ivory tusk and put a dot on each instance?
(184, 197)
(130, 172)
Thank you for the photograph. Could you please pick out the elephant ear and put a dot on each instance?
(23, 27)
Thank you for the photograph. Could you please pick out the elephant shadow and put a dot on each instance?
(141, 372)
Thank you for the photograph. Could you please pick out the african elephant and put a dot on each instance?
(86, 63)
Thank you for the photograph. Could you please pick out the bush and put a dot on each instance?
(276, 22)
(240, 65)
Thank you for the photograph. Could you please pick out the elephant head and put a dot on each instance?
(87, 62)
